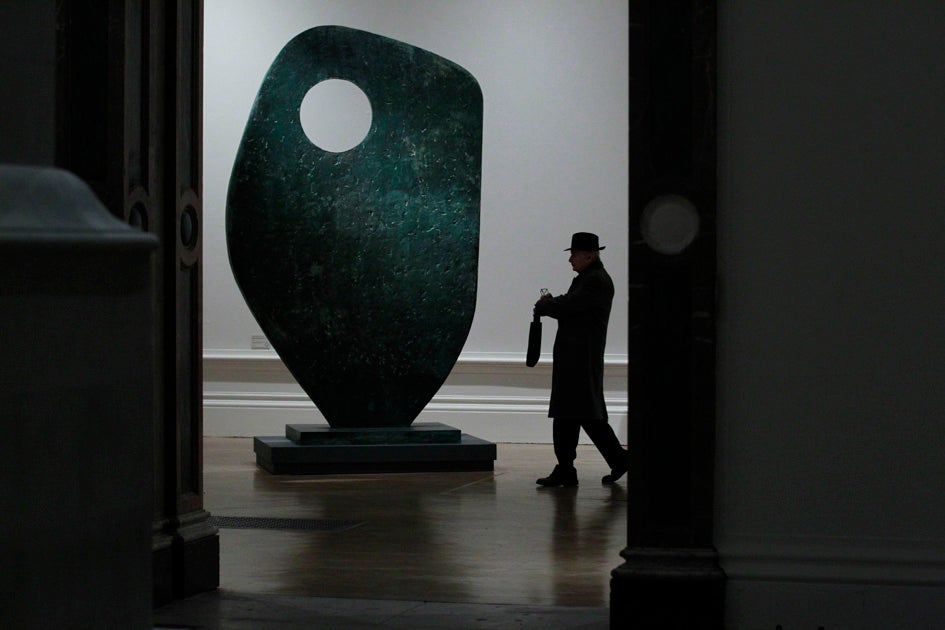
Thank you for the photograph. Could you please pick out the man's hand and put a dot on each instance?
(545, 296)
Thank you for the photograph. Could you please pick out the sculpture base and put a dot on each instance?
(416, 433)
(320, 450)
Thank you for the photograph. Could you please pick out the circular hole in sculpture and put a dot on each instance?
(188, 227)
(335, 115)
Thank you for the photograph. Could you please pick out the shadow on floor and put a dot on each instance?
(227, 610)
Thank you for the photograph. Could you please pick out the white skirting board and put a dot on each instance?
(494, 397)
(764, 605)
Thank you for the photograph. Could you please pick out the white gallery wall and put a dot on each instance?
(554, 77)
(831, 406)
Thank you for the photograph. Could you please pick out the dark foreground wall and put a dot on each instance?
(76, 394)
(112, 92)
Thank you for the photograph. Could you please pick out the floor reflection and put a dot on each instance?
(582, 540)
(479, 537)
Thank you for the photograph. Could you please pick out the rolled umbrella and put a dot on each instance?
(534, 342)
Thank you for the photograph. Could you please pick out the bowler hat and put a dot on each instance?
(585, 242)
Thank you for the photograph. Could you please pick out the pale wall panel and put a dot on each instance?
(555, 83)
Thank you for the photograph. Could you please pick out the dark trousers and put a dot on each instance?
(567, 431)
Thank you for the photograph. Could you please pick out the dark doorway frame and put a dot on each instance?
(129, 89)
(144, 160)
(671, 577)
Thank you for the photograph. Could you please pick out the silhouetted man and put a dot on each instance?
(577, 381)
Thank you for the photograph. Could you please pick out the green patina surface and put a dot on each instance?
(361, 266)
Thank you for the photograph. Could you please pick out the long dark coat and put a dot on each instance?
(577, 381)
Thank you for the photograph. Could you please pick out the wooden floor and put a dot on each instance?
(476, 537)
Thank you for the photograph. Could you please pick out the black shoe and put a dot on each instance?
(615, 474)
(559, 477)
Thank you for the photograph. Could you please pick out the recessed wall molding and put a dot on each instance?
(861, 560)
(217, 361)
(492, 395)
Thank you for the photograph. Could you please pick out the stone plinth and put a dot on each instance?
(309, 449)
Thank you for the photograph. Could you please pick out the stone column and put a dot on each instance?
(128, 121)
(671, 577)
